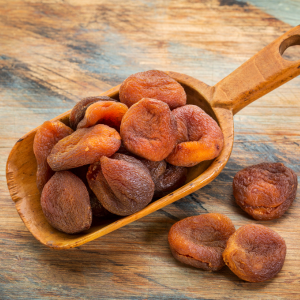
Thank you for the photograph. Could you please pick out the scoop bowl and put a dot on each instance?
(261, 74)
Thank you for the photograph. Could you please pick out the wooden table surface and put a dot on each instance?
(53, 53)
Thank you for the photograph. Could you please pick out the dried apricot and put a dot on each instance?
(130, 182)
(78, 111)
(152, 84)
(47, 135)
(173, 178)
(265, 191)
(148, 129)
(199, 241)
(156, 168)
(100, 188)
(65, 203)
(255, 253)
(84, 146)
(104, 112)
(166, 177)
(198, 135)
(122, 184)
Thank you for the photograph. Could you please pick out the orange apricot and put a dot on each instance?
(199, 241)
(148, 129)
(265, 191)
(152, 84)
(104, 112)
(78, 111)
(47, 135)
(84, 146)
(255, 253)
(199, 137)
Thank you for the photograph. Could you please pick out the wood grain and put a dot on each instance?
(52, 53)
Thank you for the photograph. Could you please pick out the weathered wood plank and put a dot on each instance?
(52, 53)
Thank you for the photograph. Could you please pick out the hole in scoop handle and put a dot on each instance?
(258, 76)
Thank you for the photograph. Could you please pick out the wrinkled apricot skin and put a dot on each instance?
(148, 129)
(173, 178)
(152, 84)
(78, 111)
(199, 137)
(199, 241)
(265, 191)
(97, 208)
(156, 168)
(84, 146)
(100, 187)
(47, 135)
(65, 203)
(130, 182)
(255, 253)
(104, 112)
(122, 184)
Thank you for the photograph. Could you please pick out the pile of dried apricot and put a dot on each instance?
(121, 154)
(254, 253)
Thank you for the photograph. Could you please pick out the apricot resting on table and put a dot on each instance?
(265, 191)
(104, 112)
(78, 111)
(47, 135)
(152, 84)
(255, 253)
(148, 129)
(65, 203)
(121, 183)
(199, 241)
(199, 137)
(84, 146)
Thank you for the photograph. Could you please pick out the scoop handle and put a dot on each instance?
(261, 74)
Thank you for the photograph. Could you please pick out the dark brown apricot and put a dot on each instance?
(84, 146)
(78, 111)
(97, 208)
(199, 241)
(173, 178)
(104, 112)
(121, 183)
(255, 253)
(166, 177)
(265, 191)
(65, 203)
(152, 84)
(47, 135)
(130, 181)
(199, 137)
(148, 129)
(156, 168)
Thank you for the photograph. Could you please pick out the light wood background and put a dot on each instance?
(53, 53)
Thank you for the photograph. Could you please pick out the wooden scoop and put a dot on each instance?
(259, 75)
